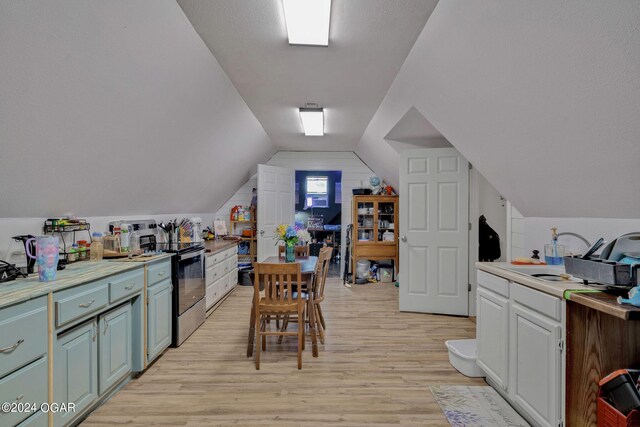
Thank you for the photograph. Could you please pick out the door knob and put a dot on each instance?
(403, 238)
(261, 232)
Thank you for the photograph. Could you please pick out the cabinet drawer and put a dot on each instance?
(214, 273)
(229, 281)
(39, 419)
(213, 294)
(536, 300)
(76, 303)
(233, 277)
(232, 251)
(158, 272)
(228, 265)
(493, 283)
(28, 385)
(124, 285)
(23, 334)
(375, 250)
(213, 259)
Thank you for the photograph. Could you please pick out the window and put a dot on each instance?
(317, 195)
(317, 184)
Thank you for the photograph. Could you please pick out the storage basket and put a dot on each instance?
(608, 416)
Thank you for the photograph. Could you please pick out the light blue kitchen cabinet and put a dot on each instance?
(75, 366)
(39, 419)
(115, 346)
(158, 318)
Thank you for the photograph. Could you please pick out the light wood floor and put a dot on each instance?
(374, 369)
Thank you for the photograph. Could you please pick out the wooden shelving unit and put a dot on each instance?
(373, 216)
(253, 246)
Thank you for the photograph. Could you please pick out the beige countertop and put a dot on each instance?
(556, 289)
(219, 245)
(75, 274)
(600, 301)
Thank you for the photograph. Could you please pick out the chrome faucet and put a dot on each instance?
(568, 233)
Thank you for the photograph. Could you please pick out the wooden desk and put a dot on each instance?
(307, 267)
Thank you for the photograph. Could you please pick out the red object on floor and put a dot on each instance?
(608, 416)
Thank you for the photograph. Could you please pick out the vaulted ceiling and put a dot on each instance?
(153, 106)
(542, 97)
(369, 41)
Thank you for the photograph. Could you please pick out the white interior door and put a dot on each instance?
(276, 190)
(434, 218)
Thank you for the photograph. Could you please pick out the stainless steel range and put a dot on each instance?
(188, 266)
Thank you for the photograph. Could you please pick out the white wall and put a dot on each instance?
(354, 174)
(116, 108)
(516, 245)
(541, 96)
(538, 231)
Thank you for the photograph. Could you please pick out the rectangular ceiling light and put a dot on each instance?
(307, 21)
(312, 121)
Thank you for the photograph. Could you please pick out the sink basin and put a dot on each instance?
(534, 270)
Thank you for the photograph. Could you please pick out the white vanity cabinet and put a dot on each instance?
(520, 344)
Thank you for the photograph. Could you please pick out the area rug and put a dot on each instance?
(474, 406)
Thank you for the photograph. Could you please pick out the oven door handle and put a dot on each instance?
(191, 255)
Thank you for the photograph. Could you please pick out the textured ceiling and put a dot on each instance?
(542, 97)
(369, 40)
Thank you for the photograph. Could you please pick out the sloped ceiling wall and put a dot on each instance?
(542, 97)
(116, 108)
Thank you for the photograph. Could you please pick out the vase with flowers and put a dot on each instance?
(290, 235)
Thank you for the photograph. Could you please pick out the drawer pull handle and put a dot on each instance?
(129, 287)
(162, 273)
(87, 304)
(95, 330)
(11, 347)
(8, 405)
(106, 326)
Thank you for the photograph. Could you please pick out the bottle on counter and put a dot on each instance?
(96, 250)
(134, 242)
(124, 238)
(82, 250)
(72, 255)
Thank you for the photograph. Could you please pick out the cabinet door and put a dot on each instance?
(75, 370)
(535, 365)
(364, 230)
(492, 333)
(115, 346)
(158, 318)
(386, 230)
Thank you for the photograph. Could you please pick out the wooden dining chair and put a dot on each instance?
(277, 300)
(318, 284)
(301, 251)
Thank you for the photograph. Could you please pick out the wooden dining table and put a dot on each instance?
(307, 268)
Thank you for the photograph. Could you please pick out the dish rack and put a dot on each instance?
(603, 271)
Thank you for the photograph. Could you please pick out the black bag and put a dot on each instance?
(489, 242)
